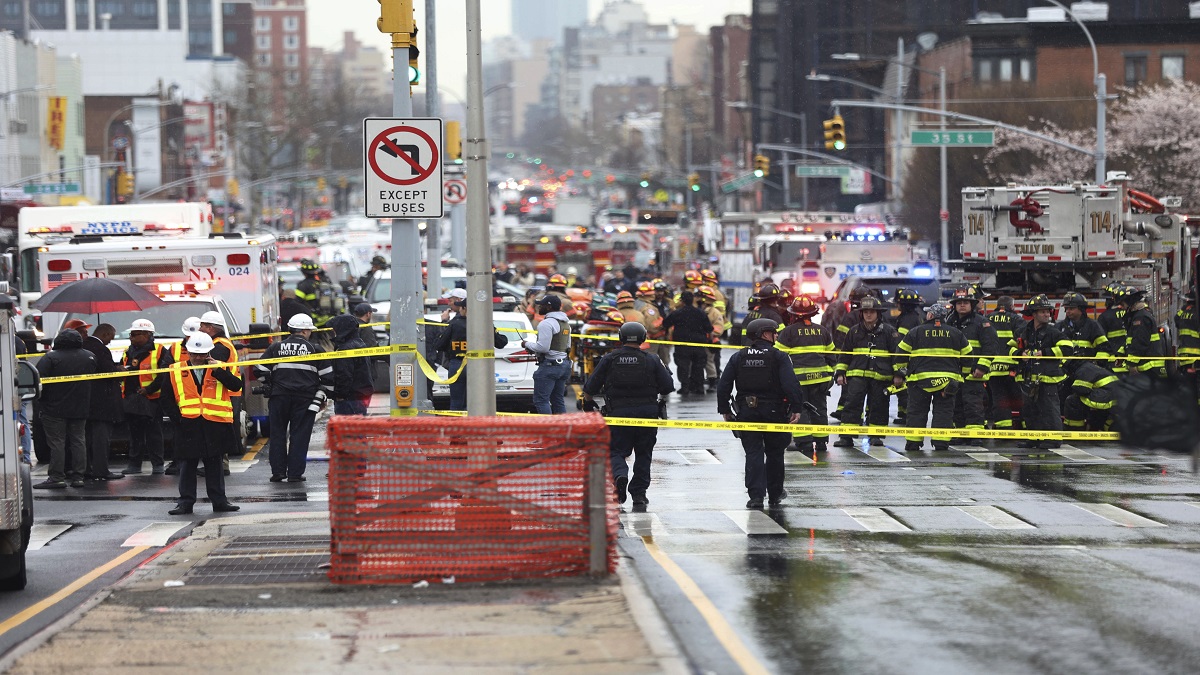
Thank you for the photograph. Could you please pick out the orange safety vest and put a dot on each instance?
(178, 353)
(148, 364)
(233, 357)
(212, 403)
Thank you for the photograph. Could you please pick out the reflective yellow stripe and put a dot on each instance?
(1097, 406)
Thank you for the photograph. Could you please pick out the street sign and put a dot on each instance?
(982, 138)
(739, 182)
(120, 143)
(821, 171)
(454, 191)
(403, 167)
(52, 189)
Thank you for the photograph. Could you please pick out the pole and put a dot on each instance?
(458, 233)
(787, 184)
(687, 165)
(1101, 99)
(433, 108)
(481, 372)
(944, 214)
(406, 304)
(804, 142)
(897, 122)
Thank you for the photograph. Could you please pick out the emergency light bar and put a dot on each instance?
(181, 287)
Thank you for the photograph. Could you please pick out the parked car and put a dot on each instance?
(514, 365)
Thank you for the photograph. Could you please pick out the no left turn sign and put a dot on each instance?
(403, 167)
(455, 191)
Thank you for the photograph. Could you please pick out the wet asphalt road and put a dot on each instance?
(1008, 562)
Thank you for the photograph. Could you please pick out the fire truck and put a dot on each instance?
(1021, 240)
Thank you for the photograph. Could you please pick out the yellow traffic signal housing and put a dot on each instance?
(694, 182)
(321, 185)
(396, 16)
(125, 186)
(762, 165)
(454, 142)
(835, 133)
(231, 187)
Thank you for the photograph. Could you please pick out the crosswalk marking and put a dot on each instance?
(154, 534)
(1195, 504)
(643, 525)
(317, 496)
(875, 520)
(883, 454)
(1073, 453)
(240, 465)
(42, 534)
(698, 457)
(988, 457)
(755, 522)
(1118, 515)
(995, 518)
(967, 448)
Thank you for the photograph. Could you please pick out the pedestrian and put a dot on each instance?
(1003, 391)
(971, 403)
(767, 391)
(198, 402)
(143, 413)
(524, 276)
(353, 385)
(298, 390)
(64, 409)
(810, 346)
(104, 408)
(1041, 377)
(929, 367)
(552, 345)
(864, 370)
(688, 326)
(634, 384)
(363, 311)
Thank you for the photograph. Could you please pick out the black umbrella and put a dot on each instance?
(97, 296)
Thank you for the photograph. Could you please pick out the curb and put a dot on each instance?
(662, 641)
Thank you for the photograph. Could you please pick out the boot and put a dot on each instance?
(844, 442)
(820, 446)
(876, 440)
(912, 446)
(133, 468)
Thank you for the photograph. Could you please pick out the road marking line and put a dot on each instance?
(988, 457)
(154, 534)
(41, 534)
(737, 650)
(241, 465)
(875, 520)
(755, 522)
(1195, 504)
(317, 496)
(884, 455)
(66, 591)
(1118, 515)
(698, 457)
(995, 518)
(643, 525)
(1073, 453)
(258, 445)
(967, 448)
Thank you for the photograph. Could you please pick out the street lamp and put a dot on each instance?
(1101, 84)
(943, 212)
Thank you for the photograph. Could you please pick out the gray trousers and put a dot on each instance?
(67, 439)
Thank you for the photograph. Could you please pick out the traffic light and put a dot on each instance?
(835, 133)
(694, 182)
(414, 70)
(454, 142)
(321, 185)
(762, 165)
(125, 186)
(231, 187)
(396, 16)
(645, 180)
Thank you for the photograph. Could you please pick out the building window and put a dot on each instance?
(291, 60)
(228, 9)
(1026, 70)
(117, 9)
(262, 42)
(48, 8)
(231, 38)
(262, 23)
(985, 71)
(263, 60)
(291, 23)
(291, 41)
(1135, 70)
(1006, 70)
(292, 77)
(12, 8)
(145, 8)
(1172, 67)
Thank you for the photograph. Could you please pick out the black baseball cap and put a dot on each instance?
(553, 302)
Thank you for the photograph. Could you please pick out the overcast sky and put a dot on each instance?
(329, 19)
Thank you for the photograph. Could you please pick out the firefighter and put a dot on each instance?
(1144, 345)
(662, 297)
(712, 367)
(635, 384)
(865, 373)
(810, 346)
(782, 303)
(625, 304)
(1112, 320)
(1040, 377)
(767, 391)
(378, 264)
(970, 405)
(907, 316)
(767, 296)
(710, 279)
(1004, 393)
(556, 285)
(1187, 332)
(849, 320)
(652, 319)
(1086, 335)
(1093, 395)
(316, 293)
(930, 367)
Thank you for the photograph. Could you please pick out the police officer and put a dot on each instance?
(1005, 395)
(552, 345)
(634, 384)
(1040, 378)
(1144, 346)
(767, 391)
(810, 346)
(970, 406)
(298, 389)
(929, 366)
(452, 343)
(866, 371)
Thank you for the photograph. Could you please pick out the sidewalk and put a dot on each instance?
(248, 594)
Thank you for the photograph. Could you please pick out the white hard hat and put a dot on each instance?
(143, 325)
(199, 343)
(301, 322)
(213, 318)
(572, 270)
(191, 325)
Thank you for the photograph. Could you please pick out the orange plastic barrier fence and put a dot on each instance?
(473, 498)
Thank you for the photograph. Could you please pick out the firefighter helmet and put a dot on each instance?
(309, 266)
(803, 306)
(859, 292)
(767, 291)
(624, 297)
(785, 298)
(1131, 295)
(1038, 303)
(907, 296)
(1075, 300)
(709, 276)
(757, 327)
(632, 333)
(706, 293)
(692, 278)
(964, 294)
(645, 289)
(871, 303)
(938, 311)
(615, 316)
(556, 281)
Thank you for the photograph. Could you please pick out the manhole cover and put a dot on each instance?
(256, 560)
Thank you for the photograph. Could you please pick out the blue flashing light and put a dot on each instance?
(923, 271)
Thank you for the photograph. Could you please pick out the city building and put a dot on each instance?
(534, 20)
(281, 48)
